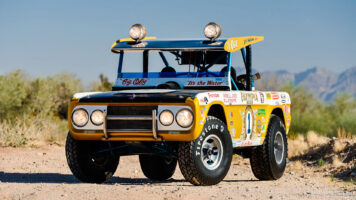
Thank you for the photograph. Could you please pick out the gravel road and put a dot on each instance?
(42, 173)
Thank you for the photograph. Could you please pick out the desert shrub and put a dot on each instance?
(34, 109)
(102, 85)
(13, 94)
(310, 114)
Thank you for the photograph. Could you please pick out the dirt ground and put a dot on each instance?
(42, 173)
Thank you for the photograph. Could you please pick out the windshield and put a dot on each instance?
(187, 69)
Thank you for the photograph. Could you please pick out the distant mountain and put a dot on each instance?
(323, 83)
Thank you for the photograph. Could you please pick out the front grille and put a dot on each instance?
(129, 124)
(130, 110)
(123, 118)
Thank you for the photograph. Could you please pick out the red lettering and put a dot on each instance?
(138, 81)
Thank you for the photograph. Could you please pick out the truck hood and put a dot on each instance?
(144, 95)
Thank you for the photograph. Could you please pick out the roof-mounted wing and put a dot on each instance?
(148, 43)
(237, 43)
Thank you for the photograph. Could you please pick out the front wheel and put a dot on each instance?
(87, 164)
(207, 159)
(268, 161)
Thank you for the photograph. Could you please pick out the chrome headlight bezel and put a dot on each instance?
(168, 112)
(73, 117)
(180, 123)
(93, 113)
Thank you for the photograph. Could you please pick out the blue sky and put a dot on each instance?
(48, 37)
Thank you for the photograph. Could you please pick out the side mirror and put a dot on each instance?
(257, 76)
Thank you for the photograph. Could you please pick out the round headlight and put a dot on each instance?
(166, 118)
(97, 117)
(80, 117)
(137, 32)
(212, 30)
(184, 118)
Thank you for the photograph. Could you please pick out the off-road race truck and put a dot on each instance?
(185, 104)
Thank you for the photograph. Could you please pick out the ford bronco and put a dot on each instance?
(185, 105)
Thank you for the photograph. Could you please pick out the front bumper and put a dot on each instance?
(154, 132)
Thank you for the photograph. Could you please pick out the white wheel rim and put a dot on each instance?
(211, 152)
(278, 147)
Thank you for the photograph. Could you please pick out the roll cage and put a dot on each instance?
(205, 54)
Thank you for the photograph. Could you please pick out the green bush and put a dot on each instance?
(309, 114)
(34, 109)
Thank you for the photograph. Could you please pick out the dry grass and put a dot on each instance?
(335, 157)
(302, 145)
(343, 134)
(337, 162)
(314, 139)
(32, 132)
(339, 146)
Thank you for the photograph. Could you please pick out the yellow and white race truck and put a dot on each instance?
(179, 101)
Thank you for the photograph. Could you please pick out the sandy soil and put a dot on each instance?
(28, 173)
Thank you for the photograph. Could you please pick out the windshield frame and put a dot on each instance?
(201, 67)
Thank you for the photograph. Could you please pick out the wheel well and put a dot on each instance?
(218, 112)
(279, 113)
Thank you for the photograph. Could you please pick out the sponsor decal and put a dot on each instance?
(263, 119)
(206, 100)
(233, 132)
(268, 96)
(231, 123)
(262, 97)
(246, 143)
(274, 95)
(213, 95)
(204, 108)
(259, 127)
(202, 122)
(236, 142)
(288, 123)
(231, 45)
(249, 98)
(285, 110)
(202, 112)
(261, 111)
(231, 114)
(263, 128)
(248, 131)
(283, 96)
(204, 83)
(136, 81)
(230, 98)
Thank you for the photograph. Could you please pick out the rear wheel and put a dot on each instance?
(206, 160)
(268, 161)
(157, 167)
(86, 164)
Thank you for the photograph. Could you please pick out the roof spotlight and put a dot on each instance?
(212, 30)
(137, 32)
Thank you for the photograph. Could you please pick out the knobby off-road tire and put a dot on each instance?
(268, 161)
(207, 159)
(157, 167)
(86, 166)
